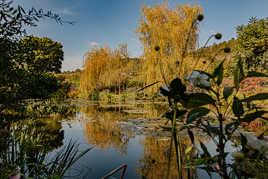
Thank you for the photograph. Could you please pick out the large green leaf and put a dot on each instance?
(238, 74)
(252, 116)
(206, 73)
(236, 78)
(196, 113)
(256, 74)
(177, 88)
(191, 135)
(260, 96)
(241, 71)
(195, 100)
(205, 150)
(237, 107)
(227, 91)
(218, 72)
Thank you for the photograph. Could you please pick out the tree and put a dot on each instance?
(174, 32)
(252, 42)
(13, 23)
(105, 68)
(41, 54)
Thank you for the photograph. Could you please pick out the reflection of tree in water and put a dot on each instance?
(153, 110)
(27, 143)
(154, 164)
(102, 130)
(47, 132)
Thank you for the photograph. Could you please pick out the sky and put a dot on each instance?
(113, 22)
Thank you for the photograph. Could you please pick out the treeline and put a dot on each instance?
(170, 49)
(109, 69)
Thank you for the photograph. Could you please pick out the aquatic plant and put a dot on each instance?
(224, 103)
(24, 151)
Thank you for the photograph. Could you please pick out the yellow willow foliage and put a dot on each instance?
(102, 130)
(94, 65)
(175, 32)
(104, 68)
(154, 163)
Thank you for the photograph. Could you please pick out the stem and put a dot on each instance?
(221, 147)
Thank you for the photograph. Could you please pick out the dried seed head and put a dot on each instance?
(218, 36)
(200, 17)
(227, 49)
(157, 48)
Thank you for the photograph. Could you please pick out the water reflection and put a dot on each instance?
(27, 142)
(101, 128)
(154, 163)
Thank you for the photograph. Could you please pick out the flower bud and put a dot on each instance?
(227, 49)
(200, 17)
(218, 36)
(157, 48)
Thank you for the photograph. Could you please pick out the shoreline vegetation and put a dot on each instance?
(218, 91)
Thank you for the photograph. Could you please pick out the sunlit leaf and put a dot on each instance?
(259, 96)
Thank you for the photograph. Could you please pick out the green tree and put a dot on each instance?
(41, 54)
(252, 42)
(13, 22)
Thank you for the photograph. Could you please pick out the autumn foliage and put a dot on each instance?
(174, 31)
(105, 69)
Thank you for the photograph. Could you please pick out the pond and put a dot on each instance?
(116, 142)
(128, 134)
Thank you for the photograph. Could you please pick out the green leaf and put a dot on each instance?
(256, 74)
(195, 100)
(205, 150)
(260, 96)
(218, 70)
(244, 142)
(177, 85)
(236, 78)
(237, 107)
(189, 149)
(238, 74)
(196, 113)
(241, 71)
(191, 135)
(227, 91)
(206, 73)
(252, 116)
(229, 126)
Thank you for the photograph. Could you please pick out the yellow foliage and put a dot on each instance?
(104, 68)
(175, 32)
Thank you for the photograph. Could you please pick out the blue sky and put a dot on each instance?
(112, 22)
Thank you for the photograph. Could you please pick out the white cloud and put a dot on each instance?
(71, 63)
(94, 44)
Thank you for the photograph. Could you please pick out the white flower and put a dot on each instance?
(198, 79)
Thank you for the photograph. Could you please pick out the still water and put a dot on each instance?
(113, 145)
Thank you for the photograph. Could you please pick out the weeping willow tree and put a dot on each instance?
(104, 69)
(94, 65)
(174, 32)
